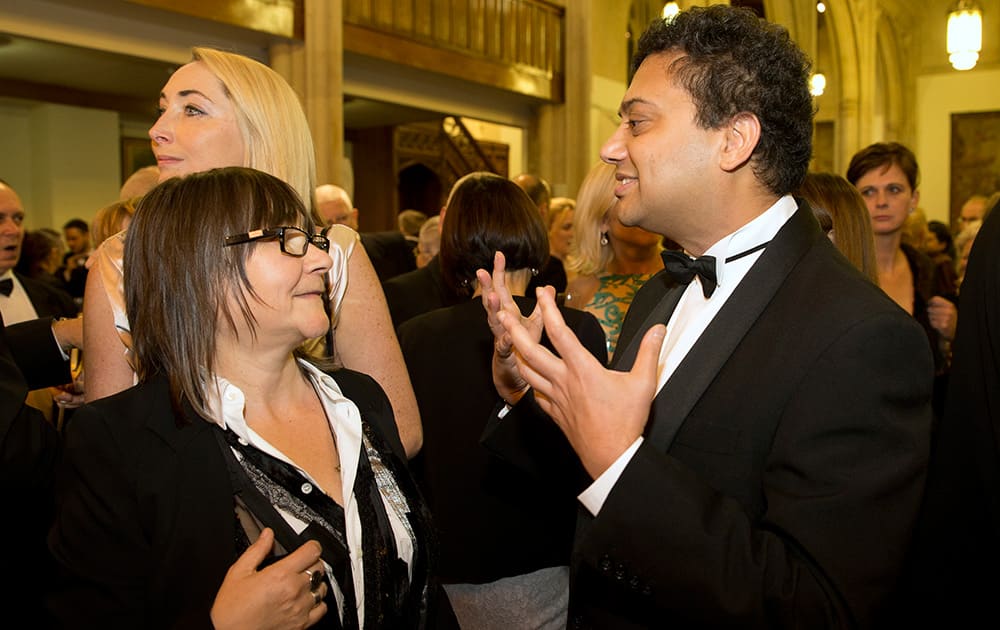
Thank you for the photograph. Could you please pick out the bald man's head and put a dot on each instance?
(334, 206)
(11, 227)
(536, 188)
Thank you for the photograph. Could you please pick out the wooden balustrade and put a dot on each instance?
(516, 45)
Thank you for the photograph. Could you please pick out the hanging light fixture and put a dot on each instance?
(817, 84)
(965, 34)
(670, 10)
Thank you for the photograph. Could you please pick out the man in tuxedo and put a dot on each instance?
(759, 460)
(30, 448)
(21, 298)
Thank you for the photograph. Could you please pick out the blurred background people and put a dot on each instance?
(138, 184)
(560, 227)
(611, 261)
(333, 205)
(974, 209)
(113, 218)
(540, 192)
(939, 246)
(963, 247)
(41, 259)
(409, 222)
(428, 240)
(76, 235)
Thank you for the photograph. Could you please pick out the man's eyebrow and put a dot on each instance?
(630, 103)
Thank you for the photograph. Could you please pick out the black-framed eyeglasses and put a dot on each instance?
(294, 241)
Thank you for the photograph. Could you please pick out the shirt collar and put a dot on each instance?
(761, 229)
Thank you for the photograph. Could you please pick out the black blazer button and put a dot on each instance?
(620, 572)
(605, 564)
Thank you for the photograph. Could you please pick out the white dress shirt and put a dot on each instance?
(345, 423)
(692, 316)
(17, 306)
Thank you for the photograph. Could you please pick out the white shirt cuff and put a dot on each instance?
(593, 497)
(55, 338)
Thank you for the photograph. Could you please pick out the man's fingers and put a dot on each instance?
(563, 339)
(535, 362)
(648, 358)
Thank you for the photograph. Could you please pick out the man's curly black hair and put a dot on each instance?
(735, 62)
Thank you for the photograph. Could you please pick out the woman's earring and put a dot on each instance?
(604, 238)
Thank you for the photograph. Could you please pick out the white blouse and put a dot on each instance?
(227, 406)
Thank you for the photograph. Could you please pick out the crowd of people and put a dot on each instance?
(708, 388)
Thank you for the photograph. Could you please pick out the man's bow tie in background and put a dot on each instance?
(6, 286)
(682, 268)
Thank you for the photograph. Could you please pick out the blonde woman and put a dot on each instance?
(610, 261)
(223, 109)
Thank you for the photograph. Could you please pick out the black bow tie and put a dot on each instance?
(682, 268)
(6, 286)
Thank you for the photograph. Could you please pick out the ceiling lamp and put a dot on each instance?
(965, 34)
(670, 10)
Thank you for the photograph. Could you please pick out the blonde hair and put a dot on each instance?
(587, 256)
(557, 207)
(112, 219)
(272, 122)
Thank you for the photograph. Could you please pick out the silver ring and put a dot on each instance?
(315, 579)
(317, 598)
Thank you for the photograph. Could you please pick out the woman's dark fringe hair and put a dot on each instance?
(882, 155)
(178, 273)
(487, 213)
(735, 62)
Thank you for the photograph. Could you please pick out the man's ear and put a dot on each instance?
(741, 137)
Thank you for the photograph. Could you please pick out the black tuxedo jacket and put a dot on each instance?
(493, 519)
(29, 451)
(145, 528)
(783, 461)
(390, 252)
(47, 299)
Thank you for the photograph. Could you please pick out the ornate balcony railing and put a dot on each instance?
(517, 45)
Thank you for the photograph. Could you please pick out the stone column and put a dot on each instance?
(315, 69)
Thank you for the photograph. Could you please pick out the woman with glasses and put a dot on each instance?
(242, 482)
(223, 109)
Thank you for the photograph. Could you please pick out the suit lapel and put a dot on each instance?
(657, 298)
(712, 350)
